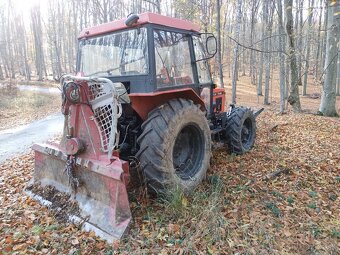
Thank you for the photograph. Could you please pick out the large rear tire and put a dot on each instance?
(175, 146)
(241, 130)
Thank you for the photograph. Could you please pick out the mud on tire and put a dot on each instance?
(241, 130)
(175, 146)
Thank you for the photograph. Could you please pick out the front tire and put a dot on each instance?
(241, 130)
(175, 146)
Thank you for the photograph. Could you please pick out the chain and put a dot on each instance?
(70, 165)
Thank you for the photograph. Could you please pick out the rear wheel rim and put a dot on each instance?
(247, 133)
(188, 152)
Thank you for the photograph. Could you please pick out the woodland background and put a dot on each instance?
(264, 39)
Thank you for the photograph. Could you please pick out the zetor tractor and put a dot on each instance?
(143, 102)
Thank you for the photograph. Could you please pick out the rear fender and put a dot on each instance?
(143, 103)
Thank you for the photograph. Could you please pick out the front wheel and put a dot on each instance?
(175, 146)
(241, 130)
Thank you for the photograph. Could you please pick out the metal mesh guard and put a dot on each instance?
(102, 100)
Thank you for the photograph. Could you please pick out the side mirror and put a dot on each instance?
(211, 46)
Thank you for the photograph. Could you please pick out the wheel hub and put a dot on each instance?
(246, 134)
(188, 151)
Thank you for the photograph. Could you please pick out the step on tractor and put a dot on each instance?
(142, 103)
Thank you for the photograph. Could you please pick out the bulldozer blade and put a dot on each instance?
(101, 195)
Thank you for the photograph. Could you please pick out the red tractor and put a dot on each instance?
(143, 97)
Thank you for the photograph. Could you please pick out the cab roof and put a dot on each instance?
(144, 18)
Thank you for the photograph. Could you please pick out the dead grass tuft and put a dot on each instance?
(21, 107)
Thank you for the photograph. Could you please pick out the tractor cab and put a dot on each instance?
(150, 53)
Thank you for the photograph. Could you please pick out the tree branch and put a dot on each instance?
(257, 50)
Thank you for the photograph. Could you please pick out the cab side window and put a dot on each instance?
(202, 66)
(173, 61)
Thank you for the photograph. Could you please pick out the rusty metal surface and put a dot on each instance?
(81, 165)
(101, 195)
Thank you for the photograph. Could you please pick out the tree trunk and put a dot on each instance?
(244, 52)
(268, 29)
(263, 46)
(299, 49)
(317, 59)
(338, 77)
(219, 55)
(328, 97)
(1, 73)
(236, 50)
(310, 17)
(324, 39)
(282, 47)
(38, 44)
(294, 98)
(252, 60)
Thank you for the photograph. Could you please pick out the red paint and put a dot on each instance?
(143, 103)
(83, 127)
(219, 93)
(144, 18)
(102, 193)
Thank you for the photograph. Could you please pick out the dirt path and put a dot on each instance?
(43, 90)
(19, 140)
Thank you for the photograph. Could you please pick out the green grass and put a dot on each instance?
(315, 231)
(312, 205)
(312, 194)
(198, 213)
(335, 233)
(273, 208)
(37, 229)
(290, 200)
(278, 194)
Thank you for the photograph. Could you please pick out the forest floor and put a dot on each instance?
(18, 107)
(280, 198)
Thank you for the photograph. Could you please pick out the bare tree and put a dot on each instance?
(338, 77)
(219, 55)
(328, 97)
(236, 50)
(21, 48)
(318, 50)
(298, 38)
(310, 17)
(282, 47)
(252, 60)
(263, 46)
(156, 4)
(267, 56)
(293, 99)
(38, 42)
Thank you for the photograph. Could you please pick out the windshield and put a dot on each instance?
(119, 54)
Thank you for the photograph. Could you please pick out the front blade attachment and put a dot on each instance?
(101, 196)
